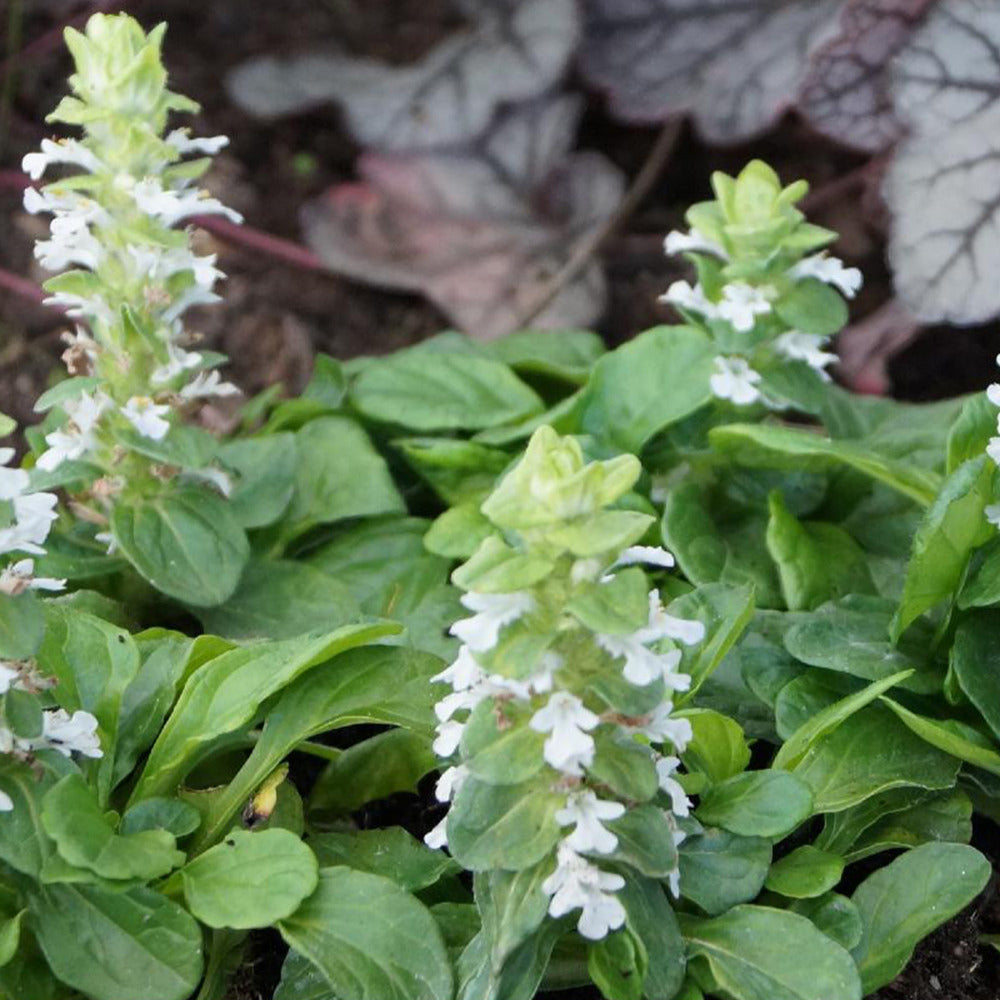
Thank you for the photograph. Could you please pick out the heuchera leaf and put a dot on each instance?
(846, 93)
(941, 186)
(514, 50)
(735, 66)
(480, 230)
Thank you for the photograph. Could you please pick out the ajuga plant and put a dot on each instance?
(118, 440)
(659, 769)
(765, 289)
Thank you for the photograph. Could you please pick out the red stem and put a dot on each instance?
(22, 287)
(255, 239)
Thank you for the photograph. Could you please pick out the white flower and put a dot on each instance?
(460, 701)
(76, 733)
(19, 577)
(692, 242)
(666, 767)
(183, 143)
(72, 243)
(178, 362)
(63, 201)
(438, 837)
(158, 264)
(32, 513)
(734, 379)
(170, 207)
(568, 748)
(662, 727)
(493, 612)
(6, 802)
(78, 435)
(648, 555)
(147, 417)
(586, 811)
(207, 384)
(644, 665)
(449, 735)
(193, 295)
(993, 449)
(463, 673)
(450, 782)
(576, 884)
(992, 513)
(108, 540)
(993, 393)
(76, 306)
(692, 299)
(807, 347)
(9, 676)
(741, 305)
(63, 151)
(831, 271)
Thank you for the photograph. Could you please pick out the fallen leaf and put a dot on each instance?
(735, 65)
(943, 185)
(477, 232)
(514, 51)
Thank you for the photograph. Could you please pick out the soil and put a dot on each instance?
(275, 317)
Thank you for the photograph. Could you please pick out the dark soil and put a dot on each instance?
(275, 317)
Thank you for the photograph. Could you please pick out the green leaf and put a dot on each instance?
(393, 761)
(250, 879)
(950, 736)
(805, 873)
(982, 584)
(458, 532)
(10, 936)
(301, 980)
(842, 829)
(720, 869)
(24, 845)
(370, 939)
(22, 712)
(711, 549)
(265, 477)
(22, 626)
(817, 562)
(645, 841)
(624, 765)
(617, 607)
(173, 815)
(133, 945)
(718, 748)
(503, 826)
(835, 915)
(339, 475)
(870, 752)
(905, 900)
(725, 611)
(74, 820)
(281, 599)
(617, 965)
(952, 527)
(431, 391)
(186, 543)
(328, 383)
(501, 749)
(643, 387)
(757, 804)
(568, 355)
(813, 307)
(496, 568)
(851, 636)
(826, 721)
(946, 816)
(457, 471)
(757, 953)
(778, 447)
(971, 432)
(225, 693)
(651, 918)
(380, 684)
(393, 853)
(975, 659)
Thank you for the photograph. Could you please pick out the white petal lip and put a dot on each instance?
(831, 271)
(481, 632)
(735, 380)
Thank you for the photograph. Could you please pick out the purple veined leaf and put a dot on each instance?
(514, 51)
(943, 185)
(846, 93)
(477, 232)
(735, 65)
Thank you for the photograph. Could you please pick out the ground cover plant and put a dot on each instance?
(691, 651)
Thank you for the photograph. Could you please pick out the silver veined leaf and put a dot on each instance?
(846, 93)
(943, 186)
(477, 232)
(514, 50)
(735, 65)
